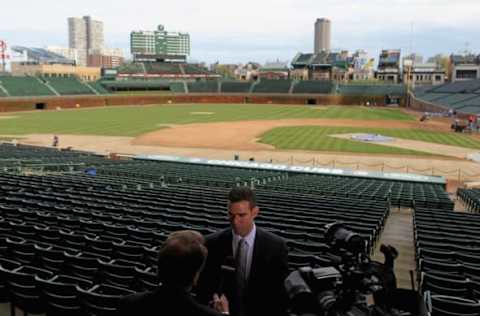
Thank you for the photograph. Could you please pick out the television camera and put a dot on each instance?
(346, 282)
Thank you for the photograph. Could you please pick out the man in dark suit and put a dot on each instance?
(256, 287)
(179, 264)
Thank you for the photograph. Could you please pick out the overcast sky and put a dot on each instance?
(257, 30)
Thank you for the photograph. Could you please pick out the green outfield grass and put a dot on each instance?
(133, 121)
(317, 138)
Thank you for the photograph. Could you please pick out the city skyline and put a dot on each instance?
(229, 34)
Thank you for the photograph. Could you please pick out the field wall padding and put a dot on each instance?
(65, 102)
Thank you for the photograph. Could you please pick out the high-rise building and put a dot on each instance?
(84, 35)
(159, 42)
(322, 36)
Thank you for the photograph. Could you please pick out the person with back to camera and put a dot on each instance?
(259, 258)
(180, 262)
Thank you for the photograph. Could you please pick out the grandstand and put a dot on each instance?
(235, 87)
(131, 69)
(68, 85)
(24, 86)
(103, 231)
(471, 198)
(177, 87)
(462, 96)
(272, 86)
(371, 90)
(97, 86)
(47, 86)
(190, 69)
(136, 85)
(313, 87)
(447, 257)
(203, 87)
(164, 70)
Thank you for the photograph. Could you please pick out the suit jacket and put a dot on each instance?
(165, 301)
(265, 293)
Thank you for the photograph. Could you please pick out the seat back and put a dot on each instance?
(102, 299)
(450, 305)
(61, 295)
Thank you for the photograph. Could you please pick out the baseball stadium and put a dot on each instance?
(96, 174)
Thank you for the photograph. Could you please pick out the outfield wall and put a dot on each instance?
(52, 102)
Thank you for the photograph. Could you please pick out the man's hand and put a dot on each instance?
(220, 303)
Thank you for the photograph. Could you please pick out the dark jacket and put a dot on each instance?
(265, 294)
(165, 301)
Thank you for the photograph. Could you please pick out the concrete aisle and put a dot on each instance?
(398, 232)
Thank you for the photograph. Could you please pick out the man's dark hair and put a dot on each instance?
(180, 258)
(238, 194)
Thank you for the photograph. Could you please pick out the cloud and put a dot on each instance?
(252, 29)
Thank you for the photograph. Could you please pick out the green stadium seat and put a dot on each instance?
(370, 90)
(138, 85)
(313, 86)
(236, 87)
(203, 87)
(193, 69)
(133, 68)
(98, 86)
(162, 68)
(272, 86)
(177, 87)
(24, 86)
(68, 85)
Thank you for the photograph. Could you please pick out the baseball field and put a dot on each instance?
(276, 129)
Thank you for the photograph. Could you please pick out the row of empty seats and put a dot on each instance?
(399, 193)
(371, 90)
(24, 86)
(448, 252)
(462, 96)
(98, 235)
(471, 198)
(161, 68)
(68, 85)
(45, 86)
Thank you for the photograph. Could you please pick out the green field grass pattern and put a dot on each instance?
(134, 121)
(317, 138)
